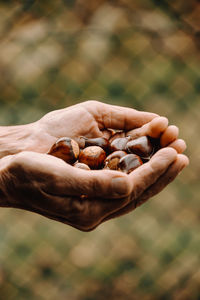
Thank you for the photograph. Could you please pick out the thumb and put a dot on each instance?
(96, 184)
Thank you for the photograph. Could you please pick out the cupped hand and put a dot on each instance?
(83, 199)
(90, 119)
(157, 128)
(95, 119)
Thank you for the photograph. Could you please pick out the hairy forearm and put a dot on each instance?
(14, 139)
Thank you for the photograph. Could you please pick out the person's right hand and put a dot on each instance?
(47, 185)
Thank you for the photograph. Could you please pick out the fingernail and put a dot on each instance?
(120, 186)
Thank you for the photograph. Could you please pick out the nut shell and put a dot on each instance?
(65, 148)
(112, 160)
(93, 156)
(141, 146)
(101, 142)
(119, 144)
(129, 163)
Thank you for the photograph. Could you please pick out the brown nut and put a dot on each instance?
(81, 166)
(141, 146)
(101, 142)
(129, 163)
(108, 133)
(93, 156)
(116, 135)
(66, 149)
(112, 160)
(119, 144)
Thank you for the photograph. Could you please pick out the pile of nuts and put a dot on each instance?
(121, 154)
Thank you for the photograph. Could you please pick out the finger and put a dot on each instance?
(171, 173)
(169, 135)
(148, 173)
(98, 183)
(104, 184)
(153, 129)
(61, 179)
(118, 117)
(179, 145)
(102, 211)
(181, 162)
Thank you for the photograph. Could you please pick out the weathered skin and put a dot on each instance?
(32, 180)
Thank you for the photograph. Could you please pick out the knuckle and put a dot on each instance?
(91, 102)
(17, 162)
(19, 159)
(127, 188)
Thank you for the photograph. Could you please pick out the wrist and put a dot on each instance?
(14, 139)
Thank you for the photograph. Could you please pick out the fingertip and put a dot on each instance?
(169, 135)
(157, 126)
(151, 116)
(166, 151)
(121, 186)
(174, 129)
(164, 155)
(107, 184)
(183, 160)
(164, 121)
(179, 145)
(182, 145)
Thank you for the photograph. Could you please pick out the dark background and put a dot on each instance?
(142, 54)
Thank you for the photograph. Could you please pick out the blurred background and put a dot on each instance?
(142, 54)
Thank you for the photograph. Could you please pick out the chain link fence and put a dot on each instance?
(143, 54)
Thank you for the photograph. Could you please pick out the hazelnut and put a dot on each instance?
(141, 146)
(66, 149)
(112, 160)
(93, 156)
(129, 163)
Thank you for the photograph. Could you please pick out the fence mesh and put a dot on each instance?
(142, 54)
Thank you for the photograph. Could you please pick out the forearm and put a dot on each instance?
(14, 139)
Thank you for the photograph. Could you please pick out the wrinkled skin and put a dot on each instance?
(46, 185)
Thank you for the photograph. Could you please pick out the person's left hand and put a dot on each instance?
(84, 199)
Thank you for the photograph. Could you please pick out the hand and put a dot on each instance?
(46, 185)
(158, 128)
(89, 119)
(93, 119)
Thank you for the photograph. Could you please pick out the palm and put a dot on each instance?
(67, 122)
(92, 119)
(46, 185)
